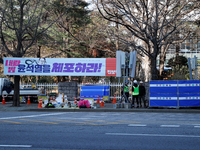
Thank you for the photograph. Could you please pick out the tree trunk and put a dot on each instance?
(58, 79)
(162, 59)
(38, 54)
(161, 70)
(16, 101)
(154, 71)
(177, 52)
(63, 79)
(146, 65)
(161, 64)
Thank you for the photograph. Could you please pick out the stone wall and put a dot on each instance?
(68, 88)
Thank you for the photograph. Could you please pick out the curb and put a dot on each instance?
(108, 108)
(115, 110)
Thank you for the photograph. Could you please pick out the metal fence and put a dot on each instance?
(49, 87)
(115, 88)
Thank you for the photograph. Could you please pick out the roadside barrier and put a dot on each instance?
(40, 103)
(29, 101)
(102, 103)
(3, 101)
(114, 100)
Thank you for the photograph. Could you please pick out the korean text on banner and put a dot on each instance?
(58, 66)
(54, 66)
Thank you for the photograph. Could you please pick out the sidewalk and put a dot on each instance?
(108, 108)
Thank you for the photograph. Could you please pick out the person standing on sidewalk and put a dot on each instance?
(142, 93)
(135, 93)
(126, 90)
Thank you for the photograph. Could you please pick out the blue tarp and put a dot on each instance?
(167, 100)
(174, 93)
(92, 91)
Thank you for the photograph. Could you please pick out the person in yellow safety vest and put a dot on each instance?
(135, 93)
(126, 90)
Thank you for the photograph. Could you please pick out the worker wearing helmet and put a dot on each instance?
(142, 93)
(135, 93)
(126, 90)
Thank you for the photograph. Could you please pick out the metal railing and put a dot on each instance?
(115, 88)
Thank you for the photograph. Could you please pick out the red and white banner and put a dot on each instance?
(110, 66)
(60, 66)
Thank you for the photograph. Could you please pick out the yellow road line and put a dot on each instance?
(106, 122)
(96, 120)
(113, 123)
(39, 121)
(11, 122)
(76, 122)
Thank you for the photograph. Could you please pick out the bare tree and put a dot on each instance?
(21, 23)
(154, 23)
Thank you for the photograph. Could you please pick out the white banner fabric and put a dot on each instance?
(55, 66)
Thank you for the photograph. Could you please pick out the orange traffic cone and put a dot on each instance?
(102, 103)
(40, 103)
(75, 100)
(51, 98)
(98, 99)
(81, 98)
(3, 101)
(29, 101)
(54, 98)
(114, 100)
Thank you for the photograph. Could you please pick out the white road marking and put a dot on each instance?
(159, 135)
(31, 116)
(197, 126)
(137, 125)
(16, 146)
(83, 118)
(170, 126)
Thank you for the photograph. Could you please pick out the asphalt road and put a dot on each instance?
(99, 131)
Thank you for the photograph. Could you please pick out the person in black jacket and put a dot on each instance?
(142, 93)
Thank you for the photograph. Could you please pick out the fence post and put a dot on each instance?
(177, 95)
